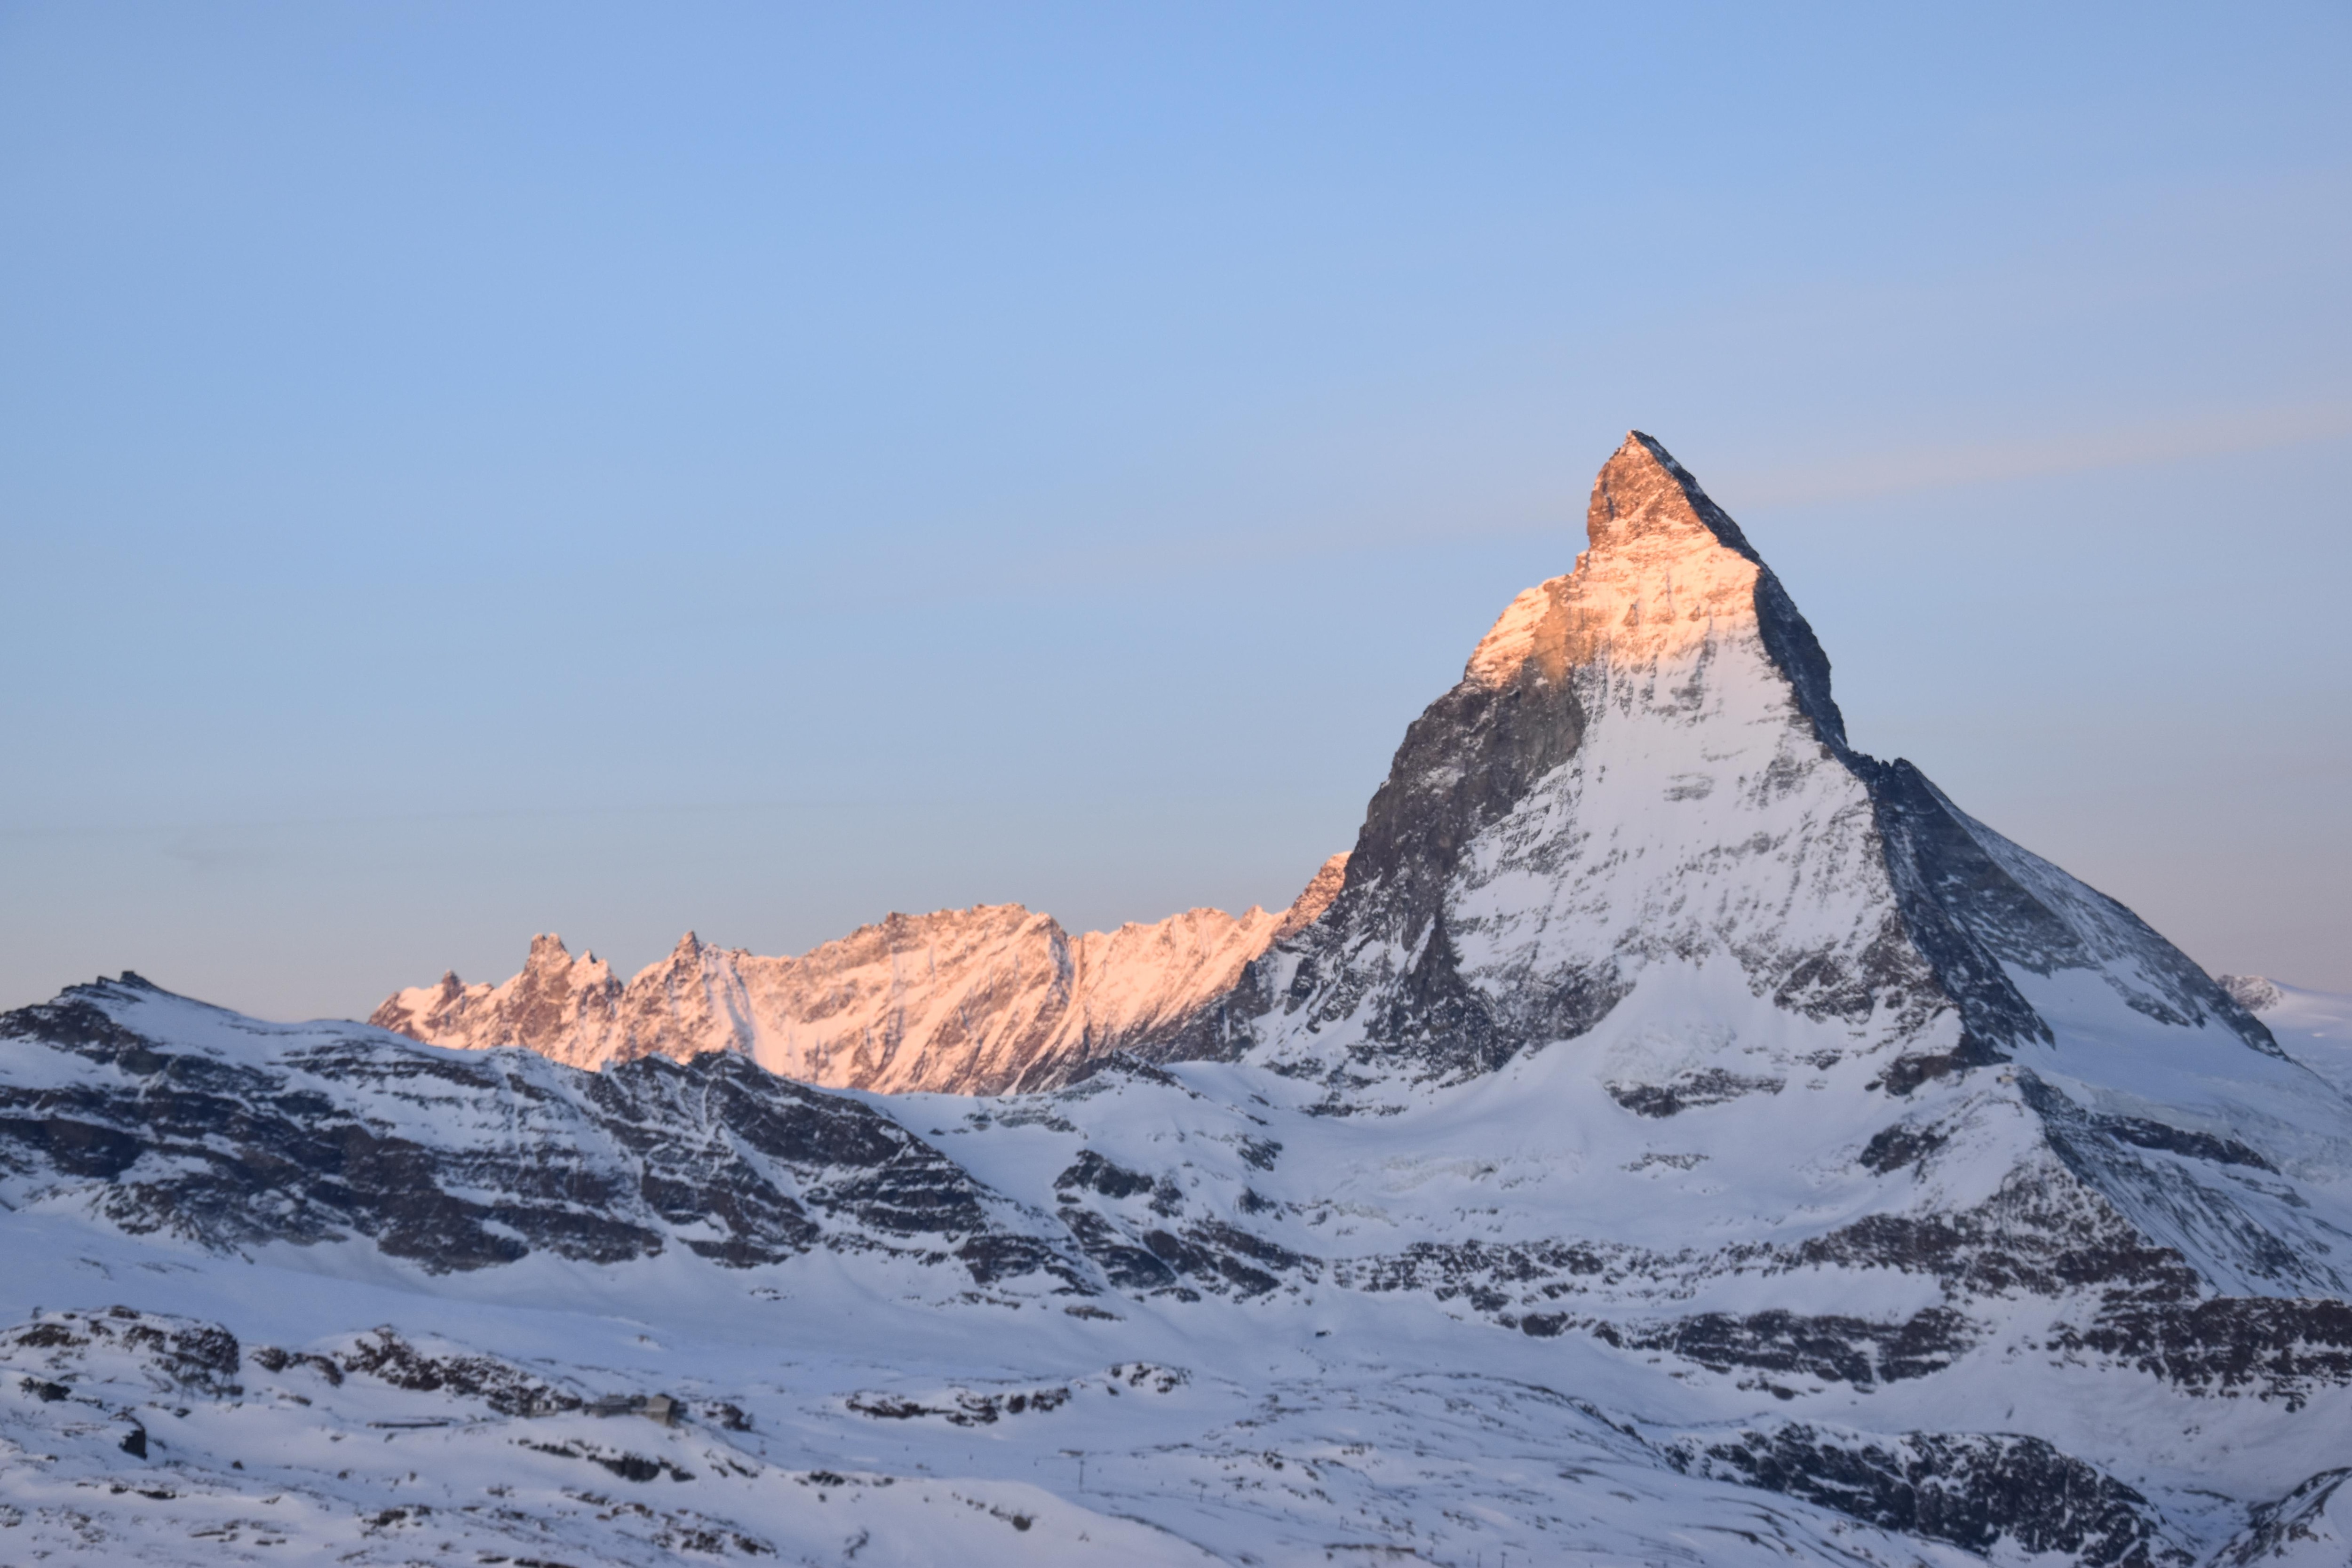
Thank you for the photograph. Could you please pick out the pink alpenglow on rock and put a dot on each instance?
(978, 1001)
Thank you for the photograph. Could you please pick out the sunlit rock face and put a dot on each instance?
(976, 1001)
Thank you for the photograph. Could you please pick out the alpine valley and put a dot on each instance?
(1668, 1136)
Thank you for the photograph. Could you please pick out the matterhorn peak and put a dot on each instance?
(1666, 572)
(1642, 495)
(1642, 788)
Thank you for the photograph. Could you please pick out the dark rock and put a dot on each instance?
(2075, 1131)
(1978, 1491)
(199, 1357)
(1480, 1269)
(608, 1168)
(2146, 1135)
(2270, 1347)
(1712, 1087)
(1260, 1153)
(270, 1358)
(1906, 1073)
(2046, 1238)
(505, 1388)
(1127, 1264)
(628, 1466)
(1893, 1148)
(1092, 1172)
(1834, 1349)
(963, 1407)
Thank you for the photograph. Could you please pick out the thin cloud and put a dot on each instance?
(1858, 476)
(1853, 475)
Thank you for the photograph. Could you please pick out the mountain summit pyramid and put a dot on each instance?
(1668, 1135)
(1642, 781)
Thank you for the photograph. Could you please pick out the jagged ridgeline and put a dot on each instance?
(980, 1000)
(1660, 1084)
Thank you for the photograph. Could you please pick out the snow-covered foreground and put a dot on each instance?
(870, 1430)
(864, 1401)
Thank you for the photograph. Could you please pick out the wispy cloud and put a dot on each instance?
(1851, 475)
(1854, 475)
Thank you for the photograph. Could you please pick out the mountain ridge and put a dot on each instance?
(1676, 1136)
(983, 1000)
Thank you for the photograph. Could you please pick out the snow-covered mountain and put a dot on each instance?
(1642, 784)
(977, 1001)
(2313, 1026)
(1681, 1138)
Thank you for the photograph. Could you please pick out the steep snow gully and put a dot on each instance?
(1669, 1136)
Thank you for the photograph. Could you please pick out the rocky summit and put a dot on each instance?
(1669, 1135)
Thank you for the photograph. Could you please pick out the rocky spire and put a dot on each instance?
(1644, 498)
(1642, 772)
(1667, 592)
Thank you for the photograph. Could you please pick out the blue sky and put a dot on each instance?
(468, 471)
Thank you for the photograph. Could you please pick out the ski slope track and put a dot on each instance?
(1669, 1136)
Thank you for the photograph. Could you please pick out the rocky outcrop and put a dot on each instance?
(2254, 992)
(976, 1001)
(1980, 1491)
(457, 1162)
(2263, 1347)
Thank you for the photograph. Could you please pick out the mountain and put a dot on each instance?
(2314, 1026)
(1642, 785)
(978, 1001)
(1681, 1138)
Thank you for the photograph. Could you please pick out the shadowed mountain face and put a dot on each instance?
(1660, 1086)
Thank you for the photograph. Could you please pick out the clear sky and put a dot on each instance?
(469, 470)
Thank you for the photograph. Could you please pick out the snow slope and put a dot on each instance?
(1511, 1317)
